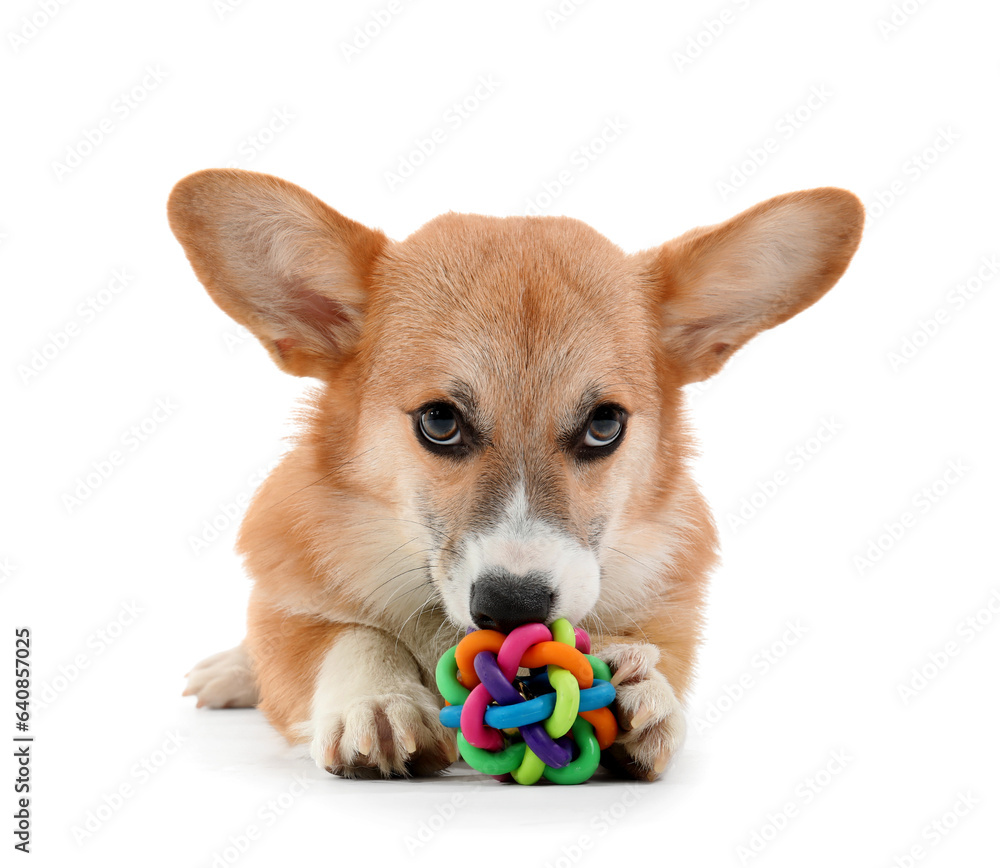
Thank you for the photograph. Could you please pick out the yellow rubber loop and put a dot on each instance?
(531, 768)
(567, 701)
(562, 631)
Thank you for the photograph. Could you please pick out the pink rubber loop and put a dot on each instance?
(517, 642)
(582, 640)
(473, 716)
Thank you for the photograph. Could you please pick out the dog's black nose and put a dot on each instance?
(502, 601)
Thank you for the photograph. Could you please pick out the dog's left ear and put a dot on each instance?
(278, 261)
(718, 286)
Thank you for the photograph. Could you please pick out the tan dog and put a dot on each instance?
(499, 437)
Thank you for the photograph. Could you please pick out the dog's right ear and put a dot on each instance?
(278, 261)
(718, 286)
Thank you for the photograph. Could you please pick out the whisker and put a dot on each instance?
(401, 545)
(631, 558)
(418, 613)
(636, 623)
(445, 623)
(385, 606)
(602, 630)
(420, 568)
(408, 520)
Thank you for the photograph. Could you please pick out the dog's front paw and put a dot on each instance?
(383, 736)
(649, 713)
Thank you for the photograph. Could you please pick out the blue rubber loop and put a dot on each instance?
(533, 710)
(556, 754)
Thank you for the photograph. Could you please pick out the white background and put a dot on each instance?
(903, 113)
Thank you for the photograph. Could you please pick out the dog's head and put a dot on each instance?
(510, 386)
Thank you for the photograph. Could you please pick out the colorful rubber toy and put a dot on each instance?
(555, 721)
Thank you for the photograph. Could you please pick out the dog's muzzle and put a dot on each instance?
(502, 601)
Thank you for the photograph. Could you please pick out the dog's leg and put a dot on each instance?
(651, 673)
(648, 709)
(355, 694)
(224, 680)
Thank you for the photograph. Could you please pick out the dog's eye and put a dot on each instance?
(439, 424)
(606, 426)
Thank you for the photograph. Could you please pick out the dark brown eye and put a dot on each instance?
(439, 424)
(606, 426)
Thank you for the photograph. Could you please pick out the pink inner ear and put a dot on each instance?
(314, 308)
(283, 345)
(308, 312)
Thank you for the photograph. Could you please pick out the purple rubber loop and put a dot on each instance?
(519, 640)
(488, 670)
(582, 640)
(554, 753)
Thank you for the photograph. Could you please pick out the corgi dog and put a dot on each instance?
(498, 437)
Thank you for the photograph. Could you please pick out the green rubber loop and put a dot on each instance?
(489, 762)
(517, 759)
(562, 631)
(530, 769)
(601, 669)
(583, 767)
(446, 675)
(567, 701)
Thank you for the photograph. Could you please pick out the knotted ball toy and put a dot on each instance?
(555, 721)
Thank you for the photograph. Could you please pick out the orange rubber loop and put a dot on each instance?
(469, 647)
(558, 654)
(605, 725)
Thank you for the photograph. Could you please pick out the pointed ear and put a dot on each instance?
(718, 286)
(278, 261)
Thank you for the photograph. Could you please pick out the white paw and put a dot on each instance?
(389, 735)
(647, 709)
(224, 680)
